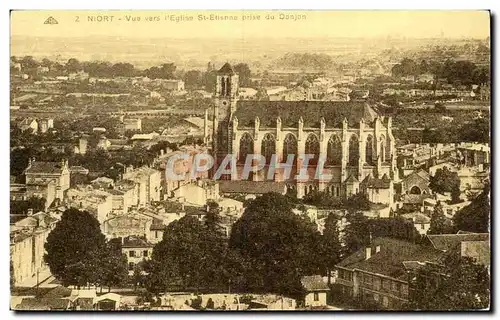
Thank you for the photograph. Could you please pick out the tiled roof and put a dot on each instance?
(419, 217)
(251, 187)
(135, 242)
(389, 261)
(45, 167)
(226, 69)
(311, 112)
(43, 304)
(376, 183)
(314, 283)
(446, 242)
(351, 179)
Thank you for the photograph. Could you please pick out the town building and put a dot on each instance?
(352, 137)
(28, 124)
(316, 291)
(148, 181)
(379, 272)
(27, 240)
(137, 249)
(40, 173)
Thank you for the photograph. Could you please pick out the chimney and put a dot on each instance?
(30, 212)
(368, 253)
(377, 249)
(123, 240)
(162, 152)
(182, 206)
(208, 208)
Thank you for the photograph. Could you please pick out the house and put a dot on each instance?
(107, 302)
(28, 124)
(197, 193)
(27, 240)
(421, 222)
(473, 245)
(42, 189)
(316, 291)
(45, 124)
(379, 273)
(173, 84)
(137, 249)
(99, 203)
(125, 195)
(378, 190)
(416, 182)
(41, 173)
(129, 124)
(83, 299)
(148, 181)
(127, 224)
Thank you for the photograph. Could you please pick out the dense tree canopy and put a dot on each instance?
(476, 216)
(278, 245)
(459, 285)
(444, 180)
(73, 248)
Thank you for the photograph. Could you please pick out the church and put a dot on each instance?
(356, 143)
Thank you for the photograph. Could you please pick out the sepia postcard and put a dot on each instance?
(250, 160)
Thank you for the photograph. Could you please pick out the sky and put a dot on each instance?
(413, 24)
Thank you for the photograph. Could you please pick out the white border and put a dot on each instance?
(189, 4)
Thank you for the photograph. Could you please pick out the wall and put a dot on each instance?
(309, 299)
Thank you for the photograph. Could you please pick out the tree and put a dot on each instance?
(331, 243)
(73, 65)
(113, 268)
(186, 243)
(244, 74)
(459, 284)
(455, 194)
(476, 216)
(73, 248)
(356, 233)
(397, 228)
(444, 180)
(277, 246)
(193, 79)
(438, 221)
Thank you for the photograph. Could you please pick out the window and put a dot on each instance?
(268, 147)
(312, 147)
(289, 146)
(385, 301)
(369, 150)
(145, 253)
(376, 297)
(131, 266)
(334, 151)
(131, 253)
(422, 226)
(246, 147)
(316, 296)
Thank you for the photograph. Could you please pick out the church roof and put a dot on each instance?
(226, 69)
(311, 112)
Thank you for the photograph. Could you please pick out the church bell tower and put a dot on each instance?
(225, 99)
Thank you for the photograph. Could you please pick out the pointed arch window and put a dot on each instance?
(334, 151)
(246, 147)
(369, 150)
(382, 147)
(289, 147)
(312, 147)
(268, 147)
(353, 150)
(388, 151)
